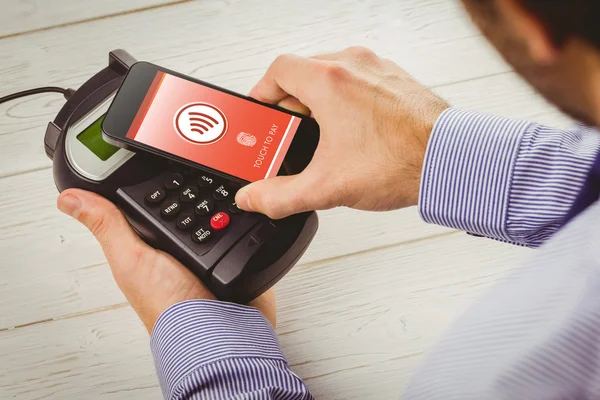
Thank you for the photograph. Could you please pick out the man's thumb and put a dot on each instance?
(100, 216)
(276, 197)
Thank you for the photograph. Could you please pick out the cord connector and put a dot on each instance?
(69, 93)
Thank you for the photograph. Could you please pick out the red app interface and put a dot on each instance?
(214, 129)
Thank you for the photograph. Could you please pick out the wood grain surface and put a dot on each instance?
(374, 291)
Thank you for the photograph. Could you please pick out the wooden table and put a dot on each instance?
(371, 295)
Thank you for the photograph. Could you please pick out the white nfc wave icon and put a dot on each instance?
(200, 123)
(246, 139)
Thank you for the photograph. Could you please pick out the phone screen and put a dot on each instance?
(213, 128)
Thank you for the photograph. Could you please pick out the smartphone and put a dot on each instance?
(202, 125)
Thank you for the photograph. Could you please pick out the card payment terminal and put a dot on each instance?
(183, 211)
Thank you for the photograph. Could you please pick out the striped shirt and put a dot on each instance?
(536, 335)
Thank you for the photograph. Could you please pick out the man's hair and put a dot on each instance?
(566, 19)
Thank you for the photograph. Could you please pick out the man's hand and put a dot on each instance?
(151, 280)
(375, 124)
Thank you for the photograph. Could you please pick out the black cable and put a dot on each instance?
(48, 89)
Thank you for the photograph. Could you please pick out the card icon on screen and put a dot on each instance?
(200, 123)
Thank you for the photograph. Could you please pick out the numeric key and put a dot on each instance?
(189, 194)
(206, 181)
(221, 193)
(205, 206)
(173, 181)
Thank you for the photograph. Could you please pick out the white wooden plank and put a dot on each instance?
(236, 42)
(504, 95)
(51, 266)
(354, 328)
(75, 359)
(219, 37)
(20, 16)
(214, 39)
(50, 277)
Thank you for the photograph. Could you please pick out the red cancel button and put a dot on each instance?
(219, 221)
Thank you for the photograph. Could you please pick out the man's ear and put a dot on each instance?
(529, 28)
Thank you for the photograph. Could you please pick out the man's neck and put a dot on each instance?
(588, 70)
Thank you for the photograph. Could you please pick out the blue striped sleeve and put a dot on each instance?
(215, 350)
(509, 180)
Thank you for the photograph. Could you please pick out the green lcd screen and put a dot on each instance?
(91, 138)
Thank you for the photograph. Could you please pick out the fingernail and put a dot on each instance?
(243, 200)
(69, 205)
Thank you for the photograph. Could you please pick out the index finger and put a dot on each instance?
(288, 75)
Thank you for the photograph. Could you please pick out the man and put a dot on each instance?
(535, 336)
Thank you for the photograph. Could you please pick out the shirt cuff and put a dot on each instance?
(513, 181)
(552, 167)
(467, 171)
(194, 334)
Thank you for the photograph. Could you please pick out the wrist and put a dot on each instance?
(429, 125)
(154, 299)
